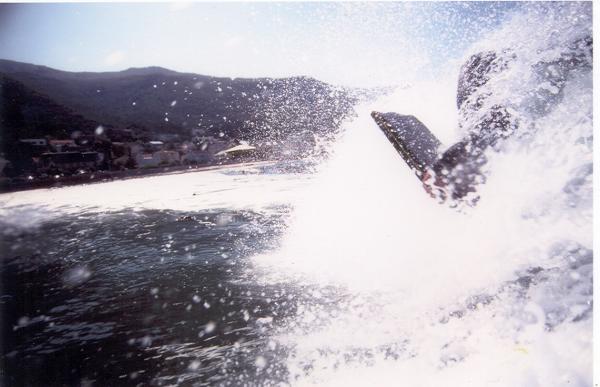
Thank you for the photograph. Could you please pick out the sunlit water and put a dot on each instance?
(350, 276)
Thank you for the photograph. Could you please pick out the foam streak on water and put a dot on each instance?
(496, 295)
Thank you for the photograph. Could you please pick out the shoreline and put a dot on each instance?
(109, 176)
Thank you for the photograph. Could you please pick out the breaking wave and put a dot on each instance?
(499, 294)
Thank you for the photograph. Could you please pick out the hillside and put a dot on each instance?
(160, 101)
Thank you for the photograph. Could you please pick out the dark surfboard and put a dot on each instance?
(420, 149)
(411, 138)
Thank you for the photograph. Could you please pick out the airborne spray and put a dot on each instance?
(264, 274)
(432, 296)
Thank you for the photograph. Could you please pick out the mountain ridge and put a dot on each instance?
(162, 101)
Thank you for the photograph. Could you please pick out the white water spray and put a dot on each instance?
(497, 295)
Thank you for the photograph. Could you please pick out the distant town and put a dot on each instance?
(59, 127)
(48, 161)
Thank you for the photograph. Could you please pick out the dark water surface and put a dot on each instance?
(142, 298)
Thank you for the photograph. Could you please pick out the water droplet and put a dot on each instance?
(210, 327)
(23, 321)
(264, 320)
(77, 276)
(146, 341)
(194, 365)
(260, 362)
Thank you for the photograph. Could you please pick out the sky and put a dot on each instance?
(356, 44)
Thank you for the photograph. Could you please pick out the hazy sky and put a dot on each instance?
(345, 43)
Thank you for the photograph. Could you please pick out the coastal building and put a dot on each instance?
(156, 159)
(135, 148)
(168, 157)
(31, 147)
(119, 155)
(70, 161)
(154, 146)
(196, 157)
(145, 160)
(62, 145)
(35, 141)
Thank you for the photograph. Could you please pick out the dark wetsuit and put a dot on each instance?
(456, 172)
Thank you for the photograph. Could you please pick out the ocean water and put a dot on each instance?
(151, 288)
(349, 276)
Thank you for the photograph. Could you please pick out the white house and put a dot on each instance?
(163, 157)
